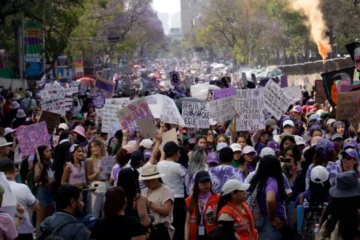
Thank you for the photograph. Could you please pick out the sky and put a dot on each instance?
(169, 6)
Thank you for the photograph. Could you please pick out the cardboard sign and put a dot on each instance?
(200, 91)
(31, 137)
(347, 105)
(52, 120)
(276, 100)
(169, 136)
(9, 201)
(222, 109)
(107, 163)
(250, 109)
(134, 110)
(224, 93)
(195, 114)
(170, 113)
(320, 96)
(110, 110)
(147, 127)
(294, 92)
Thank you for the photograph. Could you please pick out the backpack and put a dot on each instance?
(312, 216)
(252, 202)
(47, 233)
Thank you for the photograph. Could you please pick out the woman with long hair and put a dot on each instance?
(74, 171)
(160, 202)
(199, 144)
(287, 141)
(324, 156)
(340, 219)
(136, 204)
(197, 163)
(210, 141)
(96, 176)
(232, 209)
(122, 158)
(201, 205)
(44, 177)
(115, 220)
(111, 146)
(268, 181)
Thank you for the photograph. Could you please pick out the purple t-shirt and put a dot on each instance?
(7, 227)
(272, 185)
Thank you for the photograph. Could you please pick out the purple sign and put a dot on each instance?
(224, 93)
(349, 88)
(138, 109)
(99, 100)
(284, 81)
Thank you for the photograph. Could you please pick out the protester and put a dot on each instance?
(7, 225)
(4, 148)
(196, 163)
(74, 171)
(70, 206)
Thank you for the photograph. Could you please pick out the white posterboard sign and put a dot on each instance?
(109, 112)
(195, 114)
(200, 91)
(222, 110)
(250, 109)
(295, 92)
(170, 113)
(276, 100)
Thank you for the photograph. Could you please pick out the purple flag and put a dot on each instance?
(224, 93)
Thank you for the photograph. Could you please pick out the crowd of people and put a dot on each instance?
(295, 179)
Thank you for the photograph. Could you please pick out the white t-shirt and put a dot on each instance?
(25, 198)
(174, 176)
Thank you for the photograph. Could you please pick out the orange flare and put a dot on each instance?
(324, 50)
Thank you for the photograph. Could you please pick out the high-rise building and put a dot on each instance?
(175, 20)
(190, 10)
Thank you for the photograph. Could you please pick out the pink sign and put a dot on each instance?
(31, 137)
(137, 109)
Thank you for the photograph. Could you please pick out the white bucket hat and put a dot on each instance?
(149, 172)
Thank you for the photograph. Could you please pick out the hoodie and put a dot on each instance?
(72, 231)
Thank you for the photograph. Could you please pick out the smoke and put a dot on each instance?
(315, 22)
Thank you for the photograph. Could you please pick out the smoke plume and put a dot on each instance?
(315, 22)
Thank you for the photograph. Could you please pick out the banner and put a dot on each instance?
(33, 49)
(110, 110)
(222, 109)
(105, 86)
(79, 64)
(32, 136)
(195, 114)
(250, 109)
(347, 105)
(224, 93)
(134, 110)
(276, 100)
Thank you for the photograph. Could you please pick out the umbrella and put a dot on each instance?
(87, 80)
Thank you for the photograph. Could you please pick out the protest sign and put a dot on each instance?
(51, 120)
(354, 121)
(169, 136)
(107, 163)
(109, 112)
(71, 90)
(250, 109)
(200, 91)
(224, 93)
(53, 99)
(276, 100)
(170, 113)
(347, 105)
(222, 109)
(99, 100)
(195, 114)
(320, 96)
(284, 81)
(147, 127)
(294, 92)
(8, 199)
(134, 110)
(31, 137)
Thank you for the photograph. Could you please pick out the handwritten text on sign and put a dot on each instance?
(222, 109)
(195, 114)
(135, 109)
(250, 109)
(170, 113)
(276, 100)
(347, 105)
(109, 112)
(31, 137)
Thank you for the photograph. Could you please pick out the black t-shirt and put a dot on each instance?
(119, 227)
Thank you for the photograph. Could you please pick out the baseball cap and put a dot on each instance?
(314, 117)
(352, 153)
(213, 157)
(274, 146)
(330, 121)
(325, 115)
(221, 146)
(297, 109)
(299, 140)
(146, 143)
(236, 147)
(336, 136)
(202, 176)
(349, 143)
(63, 126)
(212, 122)
(233, 185)
(248, 149)
(272, 123)
(288, 122)
(319, 174)
(267, 151)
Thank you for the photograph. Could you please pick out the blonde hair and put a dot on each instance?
(100, 144)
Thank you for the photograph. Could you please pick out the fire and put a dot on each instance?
(324, 49)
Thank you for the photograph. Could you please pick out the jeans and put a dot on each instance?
(268, 232)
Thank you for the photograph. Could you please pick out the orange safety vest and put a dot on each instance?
(211, 203)
(244, 222)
